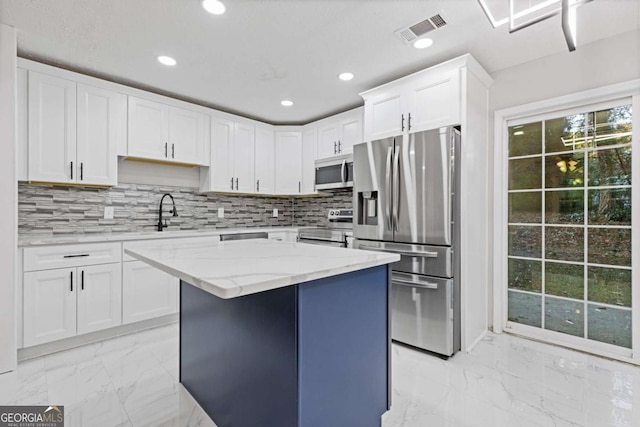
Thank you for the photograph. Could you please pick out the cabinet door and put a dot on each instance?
(188, 133)
(328, 137)
(99, 297)
(309, 150)
(243, 158)
(221, 169)
(351, 133)
(384, 116)
(49, 305)
(148, 129)
(265, 161)
(22, 132)
(288, 162)
(52, 129)
(147, 292)
(102, 127)
(435, 102)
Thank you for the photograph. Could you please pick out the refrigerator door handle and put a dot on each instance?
(426, 285)
(396, 184)
(388, 189)
(395, 251)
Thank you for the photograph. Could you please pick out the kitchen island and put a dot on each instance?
(282, 334)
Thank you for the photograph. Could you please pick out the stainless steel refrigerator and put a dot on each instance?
(405, 202)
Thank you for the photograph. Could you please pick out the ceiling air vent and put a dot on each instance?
(409, 34)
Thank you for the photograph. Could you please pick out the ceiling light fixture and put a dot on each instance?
(286, 103)
(215, 7)
(423, 43)
(345, 76)
(538, 13)
(167, 60)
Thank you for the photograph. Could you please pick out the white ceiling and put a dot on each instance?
(263, 51)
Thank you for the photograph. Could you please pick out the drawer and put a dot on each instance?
(63, 256)
(156, 242)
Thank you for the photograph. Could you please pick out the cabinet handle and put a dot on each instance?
(236, 184)
(335, 148)
(409, 124)
(82, 280)
(71, 280)
(232, 183)
(402, 122)
(81, 170)
(71, 170)
(166, 148)
(258, 186)
(299, 187)
(339, 147)
(173, 151)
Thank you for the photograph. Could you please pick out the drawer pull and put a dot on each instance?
(76, 256)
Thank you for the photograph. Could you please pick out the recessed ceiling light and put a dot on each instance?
(214, 7)
(422, 43)
(345, 76)
(286, 103)
(166, 60)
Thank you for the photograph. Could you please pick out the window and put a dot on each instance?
(569, 224)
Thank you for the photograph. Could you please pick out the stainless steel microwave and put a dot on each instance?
(334, 172)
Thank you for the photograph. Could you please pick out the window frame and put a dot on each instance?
(590, 100)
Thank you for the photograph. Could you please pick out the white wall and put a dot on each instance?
(8, 196)
(602, 63)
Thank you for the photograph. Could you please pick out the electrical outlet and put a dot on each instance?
(108, 212)
(220, 212)
(275, 213)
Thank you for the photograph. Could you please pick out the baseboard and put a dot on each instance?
(93, 337)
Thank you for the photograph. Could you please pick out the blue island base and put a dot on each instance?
(315, 354)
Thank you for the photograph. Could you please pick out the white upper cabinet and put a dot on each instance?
(338, 134)
(52, 129)
(426, 100)
(74, 131)
(328, 136)
(188, 134)
(232, 158)
(243, 158)
(165, 133)
(385, 115)
(434, 101)
(102, 118)
(148, 131)
(265, 161)
(288, 162)
(309, 150)
(220, 173)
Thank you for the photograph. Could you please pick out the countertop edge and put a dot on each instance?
(224, 293)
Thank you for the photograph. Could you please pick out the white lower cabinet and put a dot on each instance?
(147, 292)
(49, 305)
(65, 302)
(99, 294)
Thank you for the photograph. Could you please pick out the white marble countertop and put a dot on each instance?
(235, 268)
(63, 239)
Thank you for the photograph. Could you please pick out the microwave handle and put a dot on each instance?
(343, 172)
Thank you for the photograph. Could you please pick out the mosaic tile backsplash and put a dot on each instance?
(44, 209)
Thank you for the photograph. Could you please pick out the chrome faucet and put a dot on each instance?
(174, 211)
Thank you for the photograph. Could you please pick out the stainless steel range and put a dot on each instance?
(339, 233)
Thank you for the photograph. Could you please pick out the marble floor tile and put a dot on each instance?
(506, 381)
